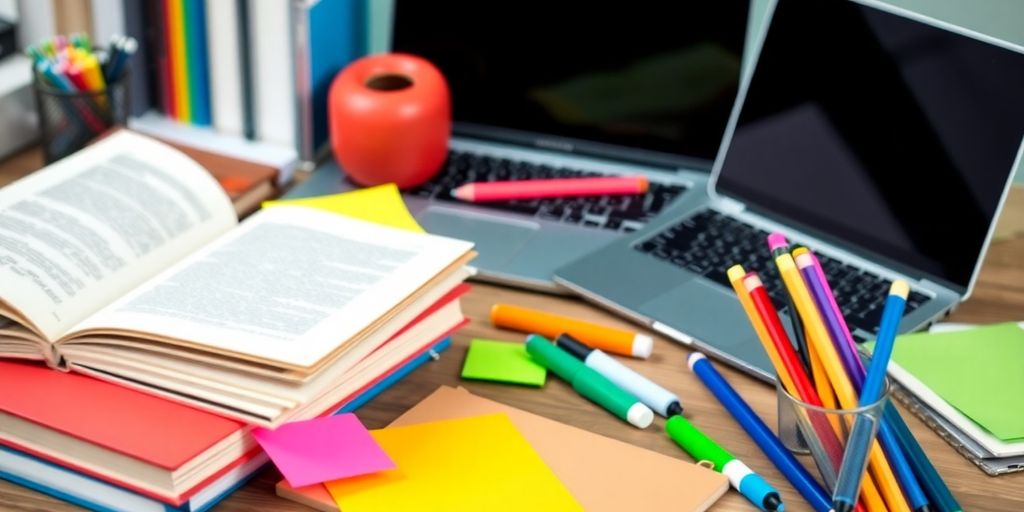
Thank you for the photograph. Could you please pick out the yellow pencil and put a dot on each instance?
(736, 274)
(818, 336)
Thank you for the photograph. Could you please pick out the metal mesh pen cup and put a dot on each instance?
(69, 120)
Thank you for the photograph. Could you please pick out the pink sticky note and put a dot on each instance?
(315, 451)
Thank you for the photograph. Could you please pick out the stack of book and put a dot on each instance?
(152, 331)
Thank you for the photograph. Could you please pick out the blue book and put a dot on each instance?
(335, 35)
(198, 62)
(92, 493)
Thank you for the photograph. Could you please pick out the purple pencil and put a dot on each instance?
(834, 321)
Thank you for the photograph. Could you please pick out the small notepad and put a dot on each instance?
(502, 361)
(314, 451)
(468, 464)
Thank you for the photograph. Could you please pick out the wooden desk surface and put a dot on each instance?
(999, 296)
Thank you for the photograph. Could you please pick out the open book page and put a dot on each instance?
(288, 287)
(83, 231)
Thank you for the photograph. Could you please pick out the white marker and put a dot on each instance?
(659, 399)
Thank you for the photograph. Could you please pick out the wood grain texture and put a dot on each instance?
(999, 296)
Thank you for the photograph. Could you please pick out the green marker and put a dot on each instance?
(742, 478)
(588, 382)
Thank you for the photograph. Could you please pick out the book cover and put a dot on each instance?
(75, 487)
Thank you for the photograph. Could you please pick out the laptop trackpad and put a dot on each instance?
(497, 239)
(705, 311)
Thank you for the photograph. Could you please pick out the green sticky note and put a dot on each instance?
(978, 371)
(502, 361)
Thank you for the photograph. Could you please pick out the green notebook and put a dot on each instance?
(978, 371)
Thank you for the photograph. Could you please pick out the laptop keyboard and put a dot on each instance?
(616, 213)
(709, 243)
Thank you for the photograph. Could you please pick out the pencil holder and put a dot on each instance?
(70, 120)
(823, 431)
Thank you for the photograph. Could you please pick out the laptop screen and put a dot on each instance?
(880, 131)
(657, 77)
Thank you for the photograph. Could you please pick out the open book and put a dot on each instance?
(125, 261)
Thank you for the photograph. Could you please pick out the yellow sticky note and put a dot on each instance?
(467, 464)
(381, 204)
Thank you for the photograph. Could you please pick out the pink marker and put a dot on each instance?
(533, 189)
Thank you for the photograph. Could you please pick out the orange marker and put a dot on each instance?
(608, 339)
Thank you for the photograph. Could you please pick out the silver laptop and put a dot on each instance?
(544, 90)
(884, 141)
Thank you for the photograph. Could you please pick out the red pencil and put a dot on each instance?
(777, 333)
(805, 389)
(533, 189)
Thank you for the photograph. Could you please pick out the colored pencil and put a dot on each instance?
(861, 438)
(736, 274)
(485, 191)
(777, 244)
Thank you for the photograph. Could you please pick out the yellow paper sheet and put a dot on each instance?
(381, 204)
(467, 464)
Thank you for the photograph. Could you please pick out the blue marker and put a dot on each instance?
(856, 454)
(795, 472)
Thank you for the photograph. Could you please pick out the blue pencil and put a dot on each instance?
(942, 499)
(855, 457)
(795, 472)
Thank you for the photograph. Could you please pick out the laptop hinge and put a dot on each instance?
(729, 206)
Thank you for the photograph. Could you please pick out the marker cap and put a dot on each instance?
(573, 346)
(643, 346)
(639, 415)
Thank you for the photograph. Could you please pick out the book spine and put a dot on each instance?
(302, 60)
(245, 62)
(225, 69)
(336, 36)
(166, 57)
(142, 23)
(198, 62)
(179, 59)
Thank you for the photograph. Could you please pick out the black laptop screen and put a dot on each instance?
(647, 75)
(880, 131)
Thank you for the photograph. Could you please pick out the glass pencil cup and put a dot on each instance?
(68, 120)
(825, 432)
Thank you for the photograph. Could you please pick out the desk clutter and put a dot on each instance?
(214, 384)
